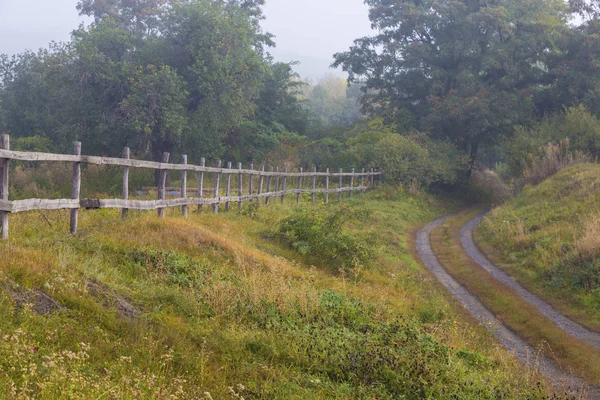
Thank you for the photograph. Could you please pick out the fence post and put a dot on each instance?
(76, 187)
(217, 183)
(299, 186)
(184, 208)
(327, 187)
(4, 145)
(251, 182)
(269, 186)
(277, 179)
(201, 182)
(314, 184)
(372, 178)
(341, 185)
(362, 178)
(261, 180)
(240, 186)
(162, 182)
(228, 188)
(126, 155)
(285, 170)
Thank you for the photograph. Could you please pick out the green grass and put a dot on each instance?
(548, 238)
(227, 312)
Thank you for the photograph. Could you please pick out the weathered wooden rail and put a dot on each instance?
(75, 203)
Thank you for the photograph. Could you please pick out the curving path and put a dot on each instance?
(571, 327)
(526, 354)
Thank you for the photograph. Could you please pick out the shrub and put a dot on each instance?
(33, 143)
(407, 160)
(490, 184)
(576, 125)
(54, 180)
(318, 235)
(552, 159)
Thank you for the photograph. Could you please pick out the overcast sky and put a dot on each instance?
(309, 31)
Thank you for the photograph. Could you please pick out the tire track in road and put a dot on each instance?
(523, 351)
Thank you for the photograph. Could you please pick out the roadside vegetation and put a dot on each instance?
(548, 237)
(199, 308)
(488, 102)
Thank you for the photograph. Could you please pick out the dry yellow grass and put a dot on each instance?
(588, 245)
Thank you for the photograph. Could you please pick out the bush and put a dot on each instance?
(407, 159)
(490, 185)
(552, 159)
(33, 143)
(318, 235)
(576, 125)
(53, 180)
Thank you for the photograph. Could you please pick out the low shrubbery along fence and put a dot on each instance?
(265, 178)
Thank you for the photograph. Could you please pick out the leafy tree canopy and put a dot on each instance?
(467, 70)
(156, 75)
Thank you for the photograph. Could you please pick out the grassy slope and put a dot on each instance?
(226, 312)
(548, 238)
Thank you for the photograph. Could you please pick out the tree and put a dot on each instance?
(573, 74)
(212, 46)
(139, 16)
(333, 103)
(466, 70)
(158, 76)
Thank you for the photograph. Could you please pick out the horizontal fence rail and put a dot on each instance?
(224, 180)
(33, 156)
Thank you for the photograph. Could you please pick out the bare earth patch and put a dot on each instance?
(110, 298)
(40, 302)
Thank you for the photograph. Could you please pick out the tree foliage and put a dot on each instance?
(156, 75)
(333, 104)
(466, 70)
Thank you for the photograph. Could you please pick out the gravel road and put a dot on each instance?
(527, 354)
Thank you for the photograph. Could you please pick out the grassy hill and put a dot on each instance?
(548, 238)
(216, 307)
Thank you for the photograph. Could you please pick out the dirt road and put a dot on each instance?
(527, 354)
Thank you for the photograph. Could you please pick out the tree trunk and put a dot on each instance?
(473, 157)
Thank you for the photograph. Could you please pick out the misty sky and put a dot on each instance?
(309, 31)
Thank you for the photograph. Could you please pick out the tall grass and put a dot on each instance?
(553, 158)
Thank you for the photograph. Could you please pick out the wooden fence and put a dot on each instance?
(267, 180)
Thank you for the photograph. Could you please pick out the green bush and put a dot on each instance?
(407, 159)
(576, 125)
(33, 143)
(318, 235)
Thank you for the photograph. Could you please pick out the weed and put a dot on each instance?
(318, 235)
